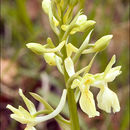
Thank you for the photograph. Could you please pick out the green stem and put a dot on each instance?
(74, 120)
(73, 110)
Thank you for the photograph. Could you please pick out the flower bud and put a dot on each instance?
(102, 43)
(46, 5)
(83, 25)
(69, 66)
(36, 48)
(99, 45)
(50, 58)
(50, 43)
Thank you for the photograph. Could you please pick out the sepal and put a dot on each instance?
(69, 66)
(28, 103)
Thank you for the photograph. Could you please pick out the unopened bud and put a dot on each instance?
(50, 58)
(36, 48)
(46, 5)
(99, 45)
(102, 43)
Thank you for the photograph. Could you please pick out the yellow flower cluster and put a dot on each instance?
(106, 98)
(60, 13)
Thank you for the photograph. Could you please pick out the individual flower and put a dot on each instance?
(28, 117)
(86, 100)
(23, 116)
(106, 98)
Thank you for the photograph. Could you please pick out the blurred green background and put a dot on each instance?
(23, 21)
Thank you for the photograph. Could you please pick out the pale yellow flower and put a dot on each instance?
(86, 100)
(106, 98)
(23, 116)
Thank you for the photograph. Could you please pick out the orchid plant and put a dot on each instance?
(64, 56)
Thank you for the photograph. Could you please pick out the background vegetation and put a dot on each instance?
(23, 21)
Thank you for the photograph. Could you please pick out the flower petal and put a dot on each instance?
(87, 103)
(107, 99)
(20, 119)
(69, 66)
(112, 74)
(109, 66)
(59, 65)
(25, 113)
(70, 48)
(28, 103)
(14, 110)
(81, 19)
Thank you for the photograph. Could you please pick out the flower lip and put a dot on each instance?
(107, 99)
